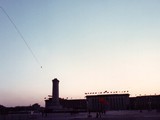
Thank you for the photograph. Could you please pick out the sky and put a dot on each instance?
(89, 45)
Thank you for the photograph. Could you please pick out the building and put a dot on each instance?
(69, 104)
(75, 104)
(101, 101)
(147, 102)
(107, 102)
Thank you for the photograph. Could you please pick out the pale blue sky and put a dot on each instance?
(89, 45)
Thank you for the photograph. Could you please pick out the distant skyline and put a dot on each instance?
(89, 45)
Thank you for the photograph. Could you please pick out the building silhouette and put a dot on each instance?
(107, 102)
(101, 102)
(146, 102)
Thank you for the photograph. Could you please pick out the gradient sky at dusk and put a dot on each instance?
(89, 45)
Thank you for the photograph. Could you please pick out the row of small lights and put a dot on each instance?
(146, 94)
(107, 92)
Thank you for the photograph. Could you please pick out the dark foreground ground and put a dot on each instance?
(110, 115)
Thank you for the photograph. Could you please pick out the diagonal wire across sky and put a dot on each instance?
(22, 37)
